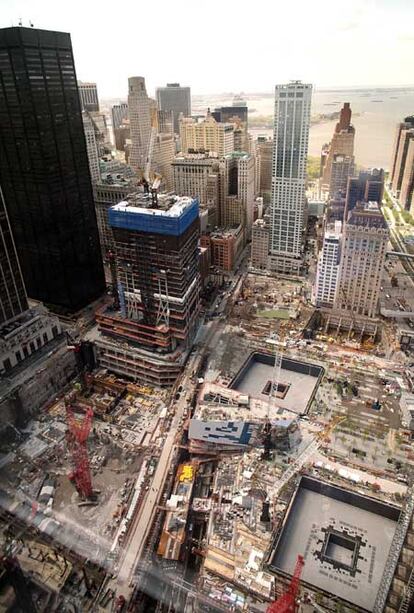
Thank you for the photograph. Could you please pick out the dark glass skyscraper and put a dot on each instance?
(44, 170)
(176, 99)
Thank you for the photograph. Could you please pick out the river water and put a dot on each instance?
(376, 113)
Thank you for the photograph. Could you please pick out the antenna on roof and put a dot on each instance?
(31, 24)
(20, 21)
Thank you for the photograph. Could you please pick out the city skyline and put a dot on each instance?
(357, 34)
(206, 326)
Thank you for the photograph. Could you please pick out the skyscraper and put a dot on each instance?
(407, 183)
(174, 98)
(88, 93)
(13, 299)
(328, 266)
(290, 150)
(238, 116)
(237, 191)
(264, 153)
(206, 136)
(44, 170)
(162, 157)
(91, 146)
(156, 250)
(342, 142)
(367, 187)
(119, 113)
(342, 168)
(404, 134)
(139, 109)
(364, 247)
(191, 172)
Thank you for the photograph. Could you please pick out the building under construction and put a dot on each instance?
(149, 328)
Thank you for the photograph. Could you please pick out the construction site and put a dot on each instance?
(323, 522)
(274, 475)
(71, 484)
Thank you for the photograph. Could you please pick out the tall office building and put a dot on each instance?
(157, 262)
(404, 134)
(367, 187)
(119, 113)
(88, 93)
(342, 142)
(260, 243)
(364, 246)
(264, 154)
(13, 299)
(406, 197)
(44, 169)
(290, 150)
(238, 116)
(197, 175)
(206, 135)
(328, 266)
(139, 109)
(191, 172)
(237, 191)
(174, 98)
(164, 122)
(91, 146)
(342, 167)
(162, 157)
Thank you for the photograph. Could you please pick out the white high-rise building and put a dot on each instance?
(328, 266)
(364, 246)
(91, 147)
(290, 150)
(139, 106)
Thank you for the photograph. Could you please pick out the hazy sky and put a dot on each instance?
(230, 45)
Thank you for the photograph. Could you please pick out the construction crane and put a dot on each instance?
(287, 602)
(77, 435)
(146, 179)
(274, 384)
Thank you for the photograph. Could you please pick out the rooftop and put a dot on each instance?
(195, 157)
(226, 232)
(171, 215)
(169, 205)
(367, 214)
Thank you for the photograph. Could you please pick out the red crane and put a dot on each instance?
(77, 435)
(287, 602)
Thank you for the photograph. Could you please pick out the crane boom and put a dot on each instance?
(287, 602)
(77, 436)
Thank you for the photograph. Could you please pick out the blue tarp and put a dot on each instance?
(153, 223)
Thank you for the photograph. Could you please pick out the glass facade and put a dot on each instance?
(44, 169)
(12, 293)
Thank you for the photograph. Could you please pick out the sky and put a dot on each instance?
(220, 46)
